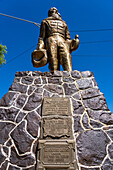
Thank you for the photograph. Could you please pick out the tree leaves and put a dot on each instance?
(2, 56)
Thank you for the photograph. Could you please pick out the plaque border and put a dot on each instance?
(57, 99)
(70, 165)
(63, 136)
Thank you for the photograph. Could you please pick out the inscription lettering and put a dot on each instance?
(57, 127)
(55, 154)
(56, 106)
(55, 169)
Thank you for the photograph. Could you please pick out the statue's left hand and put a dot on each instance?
(74, 43)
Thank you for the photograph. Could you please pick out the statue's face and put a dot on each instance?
(53, 11)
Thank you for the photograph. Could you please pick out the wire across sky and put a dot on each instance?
(37, 24)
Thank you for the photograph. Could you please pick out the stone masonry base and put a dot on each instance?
(20, 114)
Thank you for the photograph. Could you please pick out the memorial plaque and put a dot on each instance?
(56, 148)
(57, 127)
(56, 106)
(56, 152)
(56, 169)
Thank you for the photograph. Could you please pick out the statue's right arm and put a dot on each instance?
(41, 43)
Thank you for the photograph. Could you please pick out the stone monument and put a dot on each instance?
(24, 108)
(57, 120)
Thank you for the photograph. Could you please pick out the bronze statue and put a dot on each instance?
(55, 45)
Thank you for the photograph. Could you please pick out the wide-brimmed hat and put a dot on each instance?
(39, 58)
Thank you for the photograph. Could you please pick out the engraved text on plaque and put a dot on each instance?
(56, 106)
(57, 127)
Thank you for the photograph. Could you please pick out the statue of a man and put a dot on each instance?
(55, 43)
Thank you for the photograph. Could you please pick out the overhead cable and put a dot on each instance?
(21, 19)
(93, 55)
(90, 42)
(108, 29)
(72, 55)
(20, 54)
(81, 55)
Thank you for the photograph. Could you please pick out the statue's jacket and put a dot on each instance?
(52, 26)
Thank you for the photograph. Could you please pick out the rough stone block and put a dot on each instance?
(108, 165)
(55, 80)
(66, 73)
(77, 124)
(8, 114)
(8, 99)
(19, 103)
(91, 147)
(84, 83)
(36, 73)
(5, 128)
(21, 138)
(86, 74)
(105, 117)
(78, 108)
(75, 74)
(96, 103)
(68, 79)
(54, 89)
(21, 161)
(37, 81)
(18, 87)
(22, 74)
(33, 102)
(4, 165)
(27, 80)
(70, 89)
(2, 155)
(110, 151)
(90, 93)
(33, 120)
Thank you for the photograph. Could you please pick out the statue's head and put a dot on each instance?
(52, 11)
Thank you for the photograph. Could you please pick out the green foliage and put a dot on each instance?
(2, 56)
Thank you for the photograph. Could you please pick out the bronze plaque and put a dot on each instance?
(56, 169)
(57, 127)
(56, 106)
(56, 153)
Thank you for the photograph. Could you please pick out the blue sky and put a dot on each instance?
(20, 36)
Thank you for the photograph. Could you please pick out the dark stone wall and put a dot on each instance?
(20, 114)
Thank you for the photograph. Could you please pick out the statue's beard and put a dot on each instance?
(56, 16)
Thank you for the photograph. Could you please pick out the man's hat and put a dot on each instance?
(39, 58)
